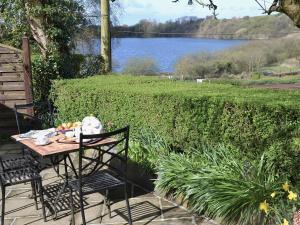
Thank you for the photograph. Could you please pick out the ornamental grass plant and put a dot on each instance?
(147, 147)
(217, 182)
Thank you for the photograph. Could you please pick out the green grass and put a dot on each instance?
(281, 69)
(263, 80)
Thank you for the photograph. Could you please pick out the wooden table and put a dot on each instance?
(55, 147)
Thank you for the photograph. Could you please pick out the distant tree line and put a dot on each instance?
(183, 26)
(150, 28)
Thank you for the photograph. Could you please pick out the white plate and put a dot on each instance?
(38, 144)
(84, 140)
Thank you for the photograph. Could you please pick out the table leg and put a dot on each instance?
(62, 190)
(72, 166)
(66, 180)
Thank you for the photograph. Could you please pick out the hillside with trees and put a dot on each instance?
(259, 27)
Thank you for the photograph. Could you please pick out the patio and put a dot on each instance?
(147, 207)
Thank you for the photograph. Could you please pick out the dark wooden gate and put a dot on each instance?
(15, 85)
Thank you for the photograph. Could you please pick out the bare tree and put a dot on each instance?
(210, 4)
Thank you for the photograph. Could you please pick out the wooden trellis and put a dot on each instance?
(15, 83)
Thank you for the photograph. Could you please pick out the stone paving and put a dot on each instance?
(147, 208)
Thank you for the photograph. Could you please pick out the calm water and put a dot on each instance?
(165, 51)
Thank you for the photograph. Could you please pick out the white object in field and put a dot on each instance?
(199, 81)
(91, 125)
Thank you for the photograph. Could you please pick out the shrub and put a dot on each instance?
(215, 182)
(88, 65)
(54, 66)
(43, 71)
(184, 114)
(140, 66)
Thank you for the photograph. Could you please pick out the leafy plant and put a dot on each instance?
(43, 71)
(215, 181)
(90, 65)
(147, 147)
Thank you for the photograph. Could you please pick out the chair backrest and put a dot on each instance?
(110, 153)
(42, 115)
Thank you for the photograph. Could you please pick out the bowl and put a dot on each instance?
(69, 134)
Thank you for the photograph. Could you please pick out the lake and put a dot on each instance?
(165, 51)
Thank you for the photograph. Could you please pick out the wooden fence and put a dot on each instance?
(15, 84)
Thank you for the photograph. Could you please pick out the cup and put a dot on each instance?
(42, 140)
(77, 132)
(69, 134)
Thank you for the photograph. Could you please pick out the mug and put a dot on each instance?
(69, 134)
(77, 132)
(42, 140)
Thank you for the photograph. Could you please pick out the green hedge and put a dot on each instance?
(186, 114)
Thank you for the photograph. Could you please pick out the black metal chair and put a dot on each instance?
(27, 173)
(98, 174)
(26, 122)
(18, 169)
(40, 116)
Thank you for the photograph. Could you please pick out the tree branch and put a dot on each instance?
(275, 7)
(210, 5)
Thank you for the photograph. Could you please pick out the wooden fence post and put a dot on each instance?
(27, 71)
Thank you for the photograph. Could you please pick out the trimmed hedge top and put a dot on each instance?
(185, 114)
(158, 86)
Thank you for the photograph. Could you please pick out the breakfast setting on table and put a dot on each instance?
(64, 133)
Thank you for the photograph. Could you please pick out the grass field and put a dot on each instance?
(263, 80)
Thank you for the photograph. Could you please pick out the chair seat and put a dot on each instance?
(21, 175)
(18, 161)
(98, 181)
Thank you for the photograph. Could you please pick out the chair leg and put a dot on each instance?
(82, 208)
(107, 203)
(56, 161)
(33, 188)
(3, 205)
(72, 208)
(41, 193)
(127, 204)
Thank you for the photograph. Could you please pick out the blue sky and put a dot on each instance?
(162, 10)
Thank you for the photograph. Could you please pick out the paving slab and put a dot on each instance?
(146, 207)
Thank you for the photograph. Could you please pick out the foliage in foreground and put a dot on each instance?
(184, 114)
(217, 182)
(147, 148)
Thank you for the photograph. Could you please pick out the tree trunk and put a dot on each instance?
(289, 7)
(105, 35)
(36, 26)
(292, 9)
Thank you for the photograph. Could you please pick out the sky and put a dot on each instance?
(163, 10)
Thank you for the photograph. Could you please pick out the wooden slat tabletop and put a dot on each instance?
(55, 147)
